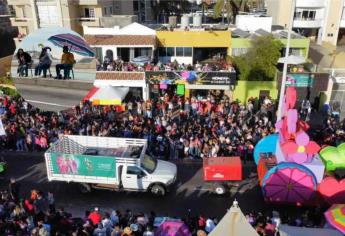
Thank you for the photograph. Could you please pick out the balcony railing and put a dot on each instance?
(91, 19)
(307, 23)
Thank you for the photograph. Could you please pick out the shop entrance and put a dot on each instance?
(202, 94)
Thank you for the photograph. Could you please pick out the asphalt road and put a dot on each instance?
(50, 98)
(190, 193)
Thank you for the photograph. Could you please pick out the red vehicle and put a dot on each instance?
(222, 172)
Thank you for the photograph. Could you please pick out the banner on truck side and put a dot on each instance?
(85, 165)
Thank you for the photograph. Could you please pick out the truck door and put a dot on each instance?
(131, 178)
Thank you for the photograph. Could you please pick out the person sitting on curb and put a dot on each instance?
(67, 61)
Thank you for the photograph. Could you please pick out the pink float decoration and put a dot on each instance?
(292, 118)
(332, 190)
(300, 149)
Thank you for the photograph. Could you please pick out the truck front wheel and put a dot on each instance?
(158, 190)
(219, 189)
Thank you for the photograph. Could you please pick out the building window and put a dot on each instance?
(111, 10)
(161, 52)
(187, 52)
(295, 51)
(179, 52)
(170, 52)
(239, 51)
(89, 12)
(105, 11)
(166, 52)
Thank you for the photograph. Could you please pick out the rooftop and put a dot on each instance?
(279, 34)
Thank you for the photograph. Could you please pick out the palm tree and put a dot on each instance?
(231, 8)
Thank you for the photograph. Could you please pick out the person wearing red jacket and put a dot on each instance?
(95, 217)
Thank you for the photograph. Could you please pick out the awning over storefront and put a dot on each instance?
(107, 95)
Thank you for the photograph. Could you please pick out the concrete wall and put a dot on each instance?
(252, 23)
(332, 22)
(246, 89)
(5, 65)
(280, 11)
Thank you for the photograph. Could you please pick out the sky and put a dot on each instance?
(31, 42)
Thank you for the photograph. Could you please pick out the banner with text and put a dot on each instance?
(85, 165)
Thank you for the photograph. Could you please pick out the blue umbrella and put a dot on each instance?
(74, 42)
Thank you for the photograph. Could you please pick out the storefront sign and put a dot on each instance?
(300, 80)
(215, 78)
(156, 77)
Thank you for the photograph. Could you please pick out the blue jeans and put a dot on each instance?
(23, 68)
(66, 69)
(41, 67)
(20, 144)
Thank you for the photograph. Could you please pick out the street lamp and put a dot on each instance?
(283, 83)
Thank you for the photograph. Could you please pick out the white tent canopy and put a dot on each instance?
(110, 93)
(234, 223)
(286, 230)
(292, 59)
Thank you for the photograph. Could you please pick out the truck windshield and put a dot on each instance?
(149, 164)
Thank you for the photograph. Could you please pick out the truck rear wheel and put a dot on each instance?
(84, 188)
(219, 189)
(158, 190)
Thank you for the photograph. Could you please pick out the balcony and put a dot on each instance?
(311, 3)
(89, 21)
(19, 21)
(18, 2)
(307, 23)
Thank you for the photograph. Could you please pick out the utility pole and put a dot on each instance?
(283, 82)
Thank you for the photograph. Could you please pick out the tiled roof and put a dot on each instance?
(114, 75)
(120, 39)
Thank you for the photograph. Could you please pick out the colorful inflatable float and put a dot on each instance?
(291, 168)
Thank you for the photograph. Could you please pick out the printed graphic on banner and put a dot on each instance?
(191, 77)
(85, 165)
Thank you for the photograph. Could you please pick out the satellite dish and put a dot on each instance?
(198, 2)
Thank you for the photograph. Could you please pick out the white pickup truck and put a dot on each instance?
(118, 164)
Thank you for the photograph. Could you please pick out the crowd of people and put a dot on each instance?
(119, 65)
(37, 214)
(174, 127)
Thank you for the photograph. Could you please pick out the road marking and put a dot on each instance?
(48, 103)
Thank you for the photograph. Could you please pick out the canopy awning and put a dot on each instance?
(234, 223)
(107, 95)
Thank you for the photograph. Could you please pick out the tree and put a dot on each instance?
(259, 63)
(231, 8)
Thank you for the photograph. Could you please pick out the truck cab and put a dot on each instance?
(152, 175)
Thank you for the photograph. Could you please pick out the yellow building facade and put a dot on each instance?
(188, 47)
